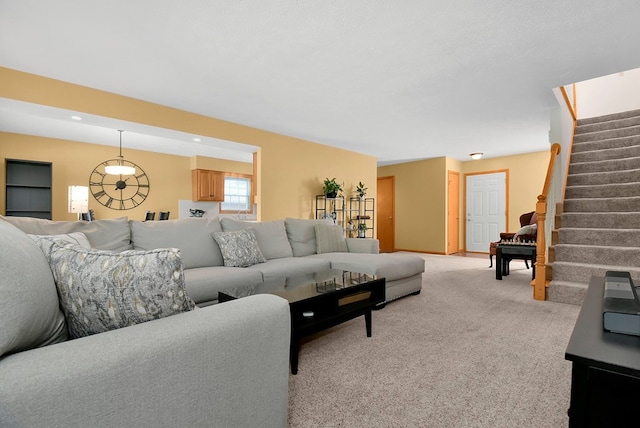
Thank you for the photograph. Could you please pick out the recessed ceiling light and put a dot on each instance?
(76, 118)
(197, 140)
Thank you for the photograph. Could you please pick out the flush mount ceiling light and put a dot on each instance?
(76, 117)
(197, 140)
(120, 168)
(476, 156)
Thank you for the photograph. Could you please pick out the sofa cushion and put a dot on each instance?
(239, 248)
(203, 284)
(392, 266)
(302, 235)
(112, 234)
(30, 314)
(330, 239)
(290, 267)
(271, 236)
(101, 290)
(77, 238)
(192, 236)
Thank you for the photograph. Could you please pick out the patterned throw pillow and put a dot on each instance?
(239, 248)
(101, 290)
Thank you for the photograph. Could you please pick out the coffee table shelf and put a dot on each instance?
(318, 305)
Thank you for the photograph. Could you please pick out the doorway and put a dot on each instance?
(385, 202)
(486, 213)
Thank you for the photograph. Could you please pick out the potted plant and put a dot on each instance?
(362, 230)
(361, 190)
(331, 188)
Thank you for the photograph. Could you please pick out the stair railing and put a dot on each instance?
(546, 203)
(540, 283)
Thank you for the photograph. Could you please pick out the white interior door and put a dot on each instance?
(486, 210)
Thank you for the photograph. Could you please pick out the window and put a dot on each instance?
(237, 194)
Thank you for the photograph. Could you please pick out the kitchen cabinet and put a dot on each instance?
(207, 185)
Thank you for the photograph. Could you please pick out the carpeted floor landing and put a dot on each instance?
(469, 351)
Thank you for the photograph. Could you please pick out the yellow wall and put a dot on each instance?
(526, 174)
(290, 170)
(421, 195)
(420, 206)
(203, 162)
(169, 175)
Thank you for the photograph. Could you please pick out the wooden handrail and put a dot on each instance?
(563, 91)
(540, 283)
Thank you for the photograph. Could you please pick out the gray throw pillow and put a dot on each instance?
(100, 290)
(239, 248)
(330, 239)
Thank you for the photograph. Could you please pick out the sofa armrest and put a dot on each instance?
(224, 365)
(363, 245)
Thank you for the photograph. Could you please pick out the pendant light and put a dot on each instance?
(120, 168)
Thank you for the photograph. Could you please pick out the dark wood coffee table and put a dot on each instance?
(319, 301)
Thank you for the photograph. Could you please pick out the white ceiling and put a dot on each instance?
(399, 80)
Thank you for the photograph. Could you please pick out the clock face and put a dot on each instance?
(119, 192)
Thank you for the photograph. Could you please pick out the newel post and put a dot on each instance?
(539, 283)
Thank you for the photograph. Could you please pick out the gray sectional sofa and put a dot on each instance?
(290, 247)
(217, 365)
(224, 365)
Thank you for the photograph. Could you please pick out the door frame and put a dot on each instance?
(506, 199)
(451, 246)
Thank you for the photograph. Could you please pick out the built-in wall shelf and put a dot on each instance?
(28, 188)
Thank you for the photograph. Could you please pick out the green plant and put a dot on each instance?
(362, 191)
(362, 226)
(331, 187)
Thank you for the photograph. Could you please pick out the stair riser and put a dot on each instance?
(611, 124)
(610, 144)
(597, 178)
(603, 191)
(616, 256)
(606, 154)
(600, 220)
(605, 135)
(582, 273)
(606, 205)
(605, 166)
(604, 237)
(572, 295)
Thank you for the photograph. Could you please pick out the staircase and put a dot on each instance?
(599, 221)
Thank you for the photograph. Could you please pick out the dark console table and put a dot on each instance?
(605, 377)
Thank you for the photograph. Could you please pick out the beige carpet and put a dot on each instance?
(469, 351)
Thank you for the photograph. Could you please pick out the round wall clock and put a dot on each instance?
(119, 192)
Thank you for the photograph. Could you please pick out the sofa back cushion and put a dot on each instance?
(111, 234)
(192, 236)
(271, 236)
(302, 235)
(30, 314)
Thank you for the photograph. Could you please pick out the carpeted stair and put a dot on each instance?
(599, 227)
